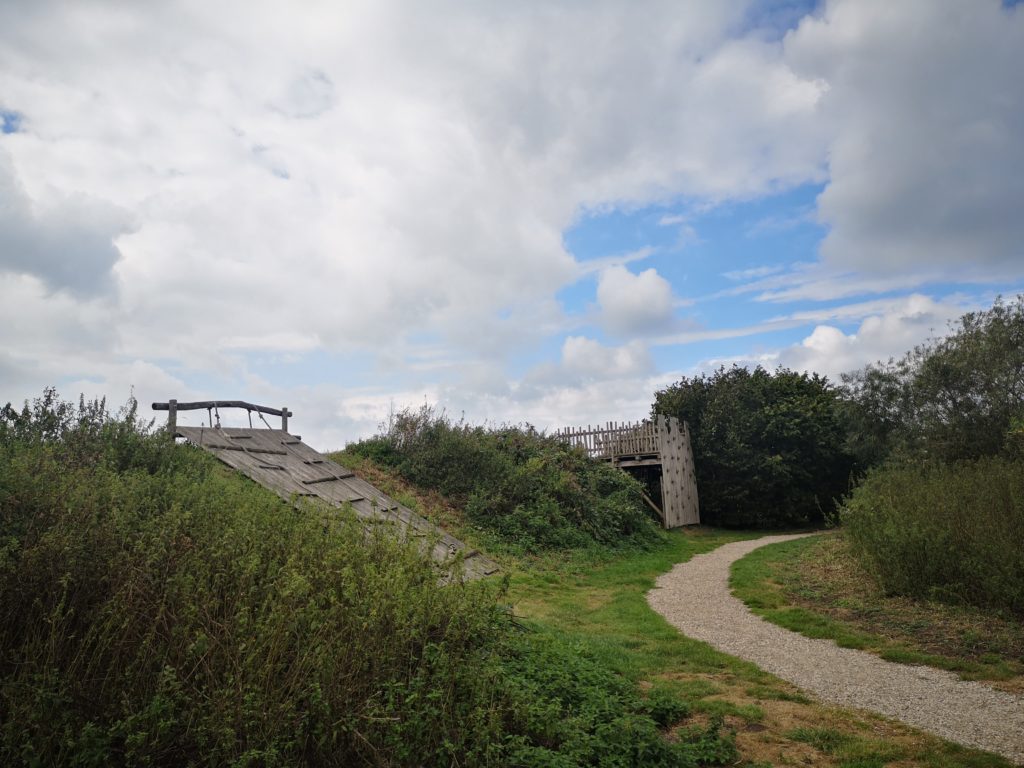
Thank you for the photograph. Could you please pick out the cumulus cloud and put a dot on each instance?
(592, 359)
(891, 333)
(926, 164)
(632, 304)
(378, 169)
(360, 181)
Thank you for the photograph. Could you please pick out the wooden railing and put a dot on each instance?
(173, 406)
(614, 439)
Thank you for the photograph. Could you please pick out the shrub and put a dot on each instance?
(949, 532)
(532, 491)
(768, 448)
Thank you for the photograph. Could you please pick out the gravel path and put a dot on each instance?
(694, 597)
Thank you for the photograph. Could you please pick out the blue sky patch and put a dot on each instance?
(10, 122)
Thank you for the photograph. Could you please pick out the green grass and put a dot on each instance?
(599, 602)
(770, 580)
(851, 751)
(753, 581)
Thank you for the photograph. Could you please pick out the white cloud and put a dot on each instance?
(752, 273)
(191, 184)
(594, 360)
(632, 304)
(67, 242)
(891, 332)
(925, 105)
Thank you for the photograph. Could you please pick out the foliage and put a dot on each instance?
(952, 532)
(533, 491)
(768, 448)
(157, 609)
(592, 717)
(960, 397)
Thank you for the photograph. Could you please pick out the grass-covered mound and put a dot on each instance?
(158, 609)
(951, 532)
(532, 491)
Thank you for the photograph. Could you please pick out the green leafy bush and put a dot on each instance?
(159, 609)
(949, 532)
(533, 491)
(768, 448)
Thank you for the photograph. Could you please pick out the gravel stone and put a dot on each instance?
(694, 597)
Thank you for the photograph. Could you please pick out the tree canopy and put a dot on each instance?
(950, 399)
(769, 448)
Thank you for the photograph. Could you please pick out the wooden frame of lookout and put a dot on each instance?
(663, 443)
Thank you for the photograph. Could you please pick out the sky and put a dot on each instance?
(529, 212)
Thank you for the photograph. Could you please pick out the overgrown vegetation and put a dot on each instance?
(943, 517)
(947, 532)
(769, 448)
(157, 609)
(533, 492)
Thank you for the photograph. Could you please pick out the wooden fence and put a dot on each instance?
(614, 439)
(663, 443)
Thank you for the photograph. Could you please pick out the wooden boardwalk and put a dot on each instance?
(664, 443)
(284, 464)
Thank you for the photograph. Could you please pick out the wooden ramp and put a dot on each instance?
(284, 464)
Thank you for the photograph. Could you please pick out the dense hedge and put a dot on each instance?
(949, 532)
(769, 448)
(533, 491)
(158, 609)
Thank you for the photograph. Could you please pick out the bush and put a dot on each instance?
(159, 609)
(768, 448)
(534, 492)
(949, 532)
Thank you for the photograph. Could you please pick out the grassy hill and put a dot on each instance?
(159, 609)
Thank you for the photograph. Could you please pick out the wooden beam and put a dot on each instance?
(207, 404)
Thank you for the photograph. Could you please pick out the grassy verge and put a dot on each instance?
(818, 588)
(599, 604)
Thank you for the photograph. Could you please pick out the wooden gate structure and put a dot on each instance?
(663, 443)
(283, 463)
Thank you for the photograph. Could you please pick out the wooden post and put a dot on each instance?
(284, 419)
(172, 416)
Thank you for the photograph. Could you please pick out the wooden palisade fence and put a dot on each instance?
(664, 443)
